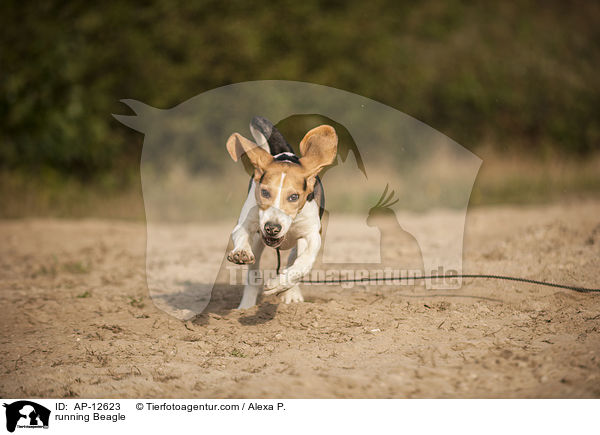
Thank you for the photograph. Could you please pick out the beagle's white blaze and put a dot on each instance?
(278, 197)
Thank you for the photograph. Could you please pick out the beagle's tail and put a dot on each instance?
(268, 137)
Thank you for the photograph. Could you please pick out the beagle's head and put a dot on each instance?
(281, 187)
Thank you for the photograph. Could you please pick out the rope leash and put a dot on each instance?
(468, 275)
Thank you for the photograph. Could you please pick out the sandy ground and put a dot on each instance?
(78, 322)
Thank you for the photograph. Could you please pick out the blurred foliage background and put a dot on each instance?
(506, 79)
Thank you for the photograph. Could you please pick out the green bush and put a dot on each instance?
(520, 75)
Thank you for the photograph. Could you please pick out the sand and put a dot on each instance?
(78, 321)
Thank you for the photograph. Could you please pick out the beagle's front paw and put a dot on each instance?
(292, 295)
(282, 282)
(241, 256)
(277, 285)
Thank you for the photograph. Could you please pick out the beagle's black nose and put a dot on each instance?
(272, 229)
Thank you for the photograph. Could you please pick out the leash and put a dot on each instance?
(278, 260)
(476, 276)
(468, 275)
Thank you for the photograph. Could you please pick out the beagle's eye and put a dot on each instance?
(293, 197)
(265, 193)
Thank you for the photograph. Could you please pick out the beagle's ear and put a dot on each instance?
(318, 149)
(237, 145)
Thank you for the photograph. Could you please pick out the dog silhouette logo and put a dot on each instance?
(26, 414)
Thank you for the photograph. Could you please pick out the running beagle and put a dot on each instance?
(284, 205)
